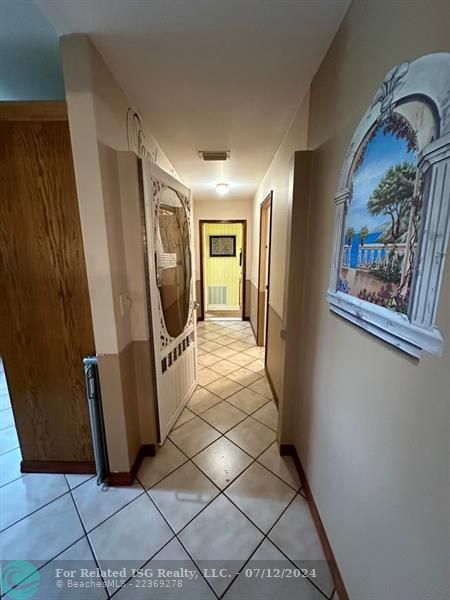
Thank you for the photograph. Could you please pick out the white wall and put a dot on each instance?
(107, 187)
(98, 110)
(373, 425)
(276, 179)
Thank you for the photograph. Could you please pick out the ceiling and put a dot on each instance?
(30, 67)
(210, 74)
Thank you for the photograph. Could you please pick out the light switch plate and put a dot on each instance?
(125, 303)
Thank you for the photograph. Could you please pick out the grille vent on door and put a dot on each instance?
(217, 295)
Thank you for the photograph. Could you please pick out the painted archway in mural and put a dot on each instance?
(393, 209)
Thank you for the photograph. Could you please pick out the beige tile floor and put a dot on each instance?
(216, 496)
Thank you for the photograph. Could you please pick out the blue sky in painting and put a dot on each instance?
(382, 152)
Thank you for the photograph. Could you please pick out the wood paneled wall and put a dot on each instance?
(45, 318)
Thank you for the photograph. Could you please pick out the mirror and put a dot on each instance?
(173, 261)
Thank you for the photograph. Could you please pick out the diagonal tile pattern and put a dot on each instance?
(27, 494)
(242, 359)
(168, 458)
(193, 436)
(183, 494)
(297, 537)
(206, 360)
(261, 386)
(268, 557)
(252, 436)
(223, 416)
(224, 387)
(43, 534)
(79, 553)
(121, 538)
(224, 367)
(10, 466)
(222, 462)
(244, 376)
(247, 400)
(217, 495)
(260, 495)
(201, 400)
(185, 416)
(207, 375)
(268, 415)
(282, 466)
(173, 555)
(221, 537)
(224, 352)
(95, 504)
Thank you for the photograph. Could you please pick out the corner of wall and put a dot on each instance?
(126, 389)
(278, 179)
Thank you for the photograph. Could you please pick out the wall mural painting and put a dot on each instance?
(393, 209)
(383, 218)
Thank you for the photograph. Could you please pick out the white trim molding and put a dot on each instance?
(409, 89)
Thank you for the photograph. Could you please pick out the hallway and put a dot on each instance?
(224, 300)
(216, 496)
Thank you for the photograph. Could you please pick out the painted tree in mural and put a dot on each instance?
(392, 197)
(363, 233)
(349, 234)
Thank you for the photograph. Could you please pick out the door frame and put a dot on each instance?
(202, 223)
(262, 333)
(148, 300)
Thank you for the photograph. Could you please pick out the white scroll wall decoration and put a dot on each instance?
(393, 209)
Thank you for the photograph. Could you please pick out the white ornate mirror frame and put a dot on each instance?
(420, 92)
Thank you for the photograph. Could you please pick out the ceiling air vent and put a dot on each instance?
(214, 154)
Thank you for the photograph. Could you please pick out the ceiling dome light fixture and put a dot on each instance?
(222, 189)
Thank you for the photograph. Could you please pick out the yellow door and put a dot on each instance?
(223, 248)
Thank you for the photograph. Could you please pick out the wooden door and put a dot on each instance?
(168, 223)
(45, 318)
(265, 233)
